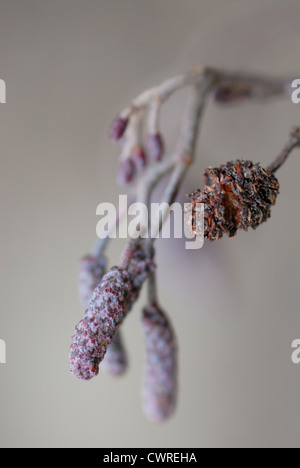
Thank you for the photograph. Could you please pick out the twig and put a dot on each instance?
(185, 152)
(114, 297)
(237, 85)
(292, 144)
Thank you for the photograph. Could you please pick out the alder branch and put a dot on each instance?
(228, 87)
(119, 289)
(293, 143)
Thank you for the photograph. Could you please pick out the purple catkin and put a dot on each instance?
(111, 301)
(118, 128)
(127, 171)
(160, 381)
(141, 266)
(155, 146)
(91, 272)
(139, 158)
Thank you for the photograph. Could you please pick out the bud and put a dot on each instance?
(118, 128)
(127, 171)
(160, 380)
(230, 94)
(155, 146)
(139, 158)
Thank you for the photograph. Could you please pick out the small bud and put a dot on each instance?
(223, 95)
(155, 146)
(139, 157)
(118, 128)
(127, 171)
(231, 94)
(160, 381)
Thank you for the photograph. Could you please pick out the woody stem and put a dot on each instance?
(291, 145)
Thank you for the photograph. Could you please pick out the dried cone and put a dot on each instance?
(238, 195)
(160, 381)
(91, 272)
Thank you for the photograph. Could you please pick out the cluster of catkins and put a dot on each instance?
(108, 298)
(134, 155)
(237, 195)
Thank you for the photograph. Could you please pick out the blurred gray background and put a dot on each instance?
(70, 66)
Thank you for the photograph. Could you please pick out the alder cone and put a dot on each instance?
(238, 195)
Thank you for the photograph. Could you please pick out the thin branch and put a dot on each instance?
(239, 83)
(203, 80)
(293, 143)
(233, 86)
(185, 151)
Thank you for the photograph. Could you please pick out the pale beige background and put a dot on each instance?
(70, 65)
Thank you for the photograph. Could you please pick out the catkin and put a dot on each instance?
(160, 380)
(91, 272)
(111, 301)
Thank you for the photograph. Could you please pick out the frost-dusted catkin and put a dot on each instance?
(160, 379)
(109, 305)
(91, 272)
(111, 301)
